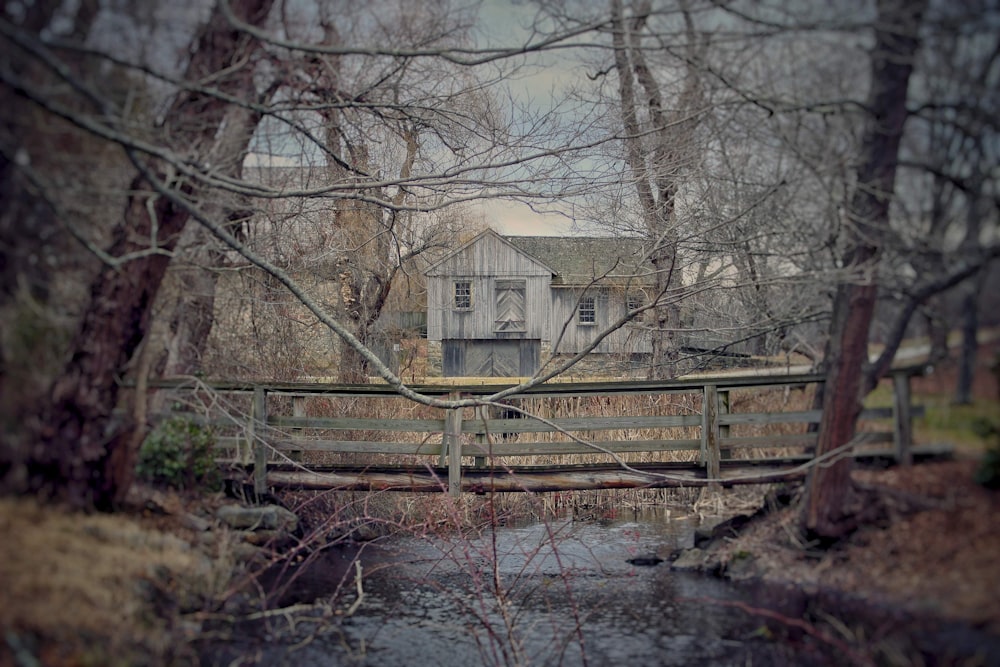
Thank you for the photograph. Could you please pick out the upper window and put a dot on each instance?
(587, 311)
(463, 294)
(634, 301)
(509, 305)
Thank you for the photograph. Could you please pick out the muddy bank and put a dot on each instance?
(923, 566)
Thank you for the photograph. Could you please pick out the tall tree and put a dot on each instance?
(657, 153)
(897, 30)
(77, 456)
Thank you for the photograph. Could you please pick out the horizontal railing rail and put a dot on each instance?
(464, 442)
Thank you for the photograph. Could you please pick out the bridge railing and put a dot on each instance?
(263, 426)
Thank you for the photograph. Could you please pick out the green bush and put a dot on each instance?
(179, 453)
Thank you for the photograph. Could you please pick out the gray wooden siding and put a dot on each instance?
(610, 305)
(484, 263)
(490, 260)
(489, 256)
(480, 322)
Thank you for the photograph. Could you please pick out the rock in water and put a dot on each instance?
(645, 561)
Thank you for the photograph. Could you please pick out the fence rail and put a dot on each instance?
(467, 444)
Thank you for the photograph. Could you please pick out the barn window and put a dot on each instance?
(463, 294)
(510, 305)
(587, 311)
(634, 301)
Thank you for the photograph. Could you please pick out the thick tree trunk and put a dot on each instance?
(824, 512)
(82, 455)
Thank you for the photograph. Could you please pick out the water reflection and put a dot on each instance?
(556, 593)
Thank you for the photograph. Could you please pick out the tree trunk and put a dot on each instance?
(656, 185)
(896, 41)
(937, 330)
(970, 344)
(82, 455)
(198, 256)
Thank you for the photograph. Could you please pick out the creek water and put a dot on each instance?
(562, 592)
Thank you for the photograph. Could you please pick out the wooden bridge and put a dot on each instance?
(688, 433)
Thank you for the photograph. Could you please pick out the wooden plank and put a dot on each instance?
(557, 448)
(553, 388)
(724, 428)
(537, 448)
(559, 478)
(299, 412)
(765, 441)
(805, 416)
(482, 441)
(360, 424)
(766, 418)
(794, 440)
(360, 447)
(486, 481)
(529, 425)
(875, 413)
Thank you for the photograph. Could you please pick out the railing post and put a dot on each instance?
(298, 410)
(710, 431)
(724, 452)
(259, 421)
(452, 440)
(482, 412)
(902, 422)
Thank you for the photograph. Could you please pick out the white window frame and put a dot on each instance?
(586, 311)
(465, 294)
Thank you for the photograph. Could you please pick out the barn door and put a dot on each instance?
(490, 358)
(478, 360)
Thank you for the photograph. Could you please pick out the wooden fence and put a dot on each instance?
(459, 450)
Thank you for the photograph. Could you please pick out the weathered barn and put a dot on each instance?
(500, 305)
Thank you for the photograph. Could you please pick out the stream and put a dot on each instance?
(557, 593)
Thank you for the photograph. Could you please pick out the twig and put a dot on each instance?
(361, 591)
(853, 656)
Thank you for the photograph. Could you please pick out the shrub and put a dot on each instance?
(179, 453)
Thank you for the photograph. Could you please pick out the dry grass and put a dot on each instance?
(101, 589)
(932, 550)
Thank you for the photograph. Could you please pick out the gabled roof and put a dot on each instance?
(432, 269)
(575, 260)
(578, 260)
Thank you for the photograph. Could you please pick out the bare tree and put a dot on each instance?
(83, 453)
(825, 512)
(77, 457)
(401, 112)
(657, 152)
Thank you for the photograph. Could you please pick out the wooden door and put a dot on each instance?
(490, 358)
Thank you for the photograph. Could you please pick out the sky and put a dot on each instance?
(503, 23)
